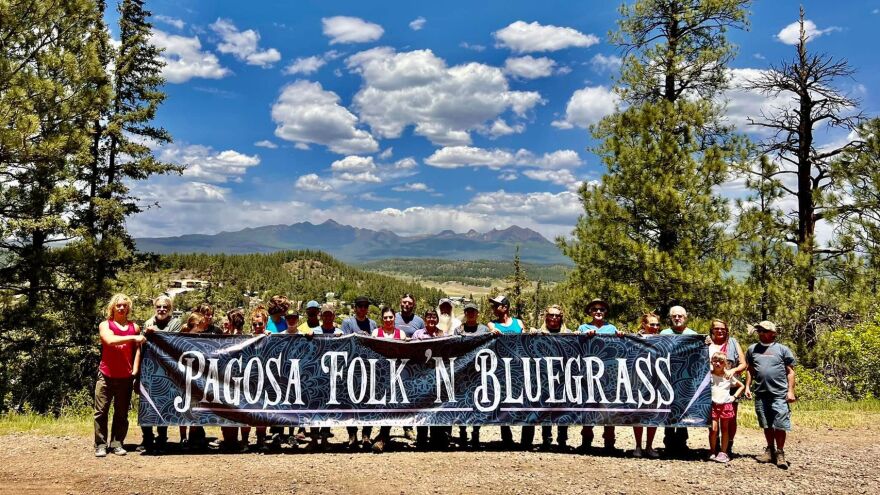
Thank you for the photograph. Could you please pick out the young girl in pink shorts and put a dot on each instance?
(722, 406)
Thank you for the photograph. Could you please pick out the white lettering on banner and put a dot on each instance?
(526, 381)
(487, 373)
(181, 404)
(447, 377)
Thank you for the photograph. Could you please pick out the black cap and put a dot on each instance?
(361, 300)
(500, 300)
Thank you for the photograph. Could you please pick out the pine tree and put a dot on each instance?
(49, 75)
(809, 80)
(516, 286)
(653, 233)
(120, 152)
(761, 229)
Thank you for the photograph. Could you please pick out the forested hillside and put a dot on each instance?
(472, 272)
(237, 279)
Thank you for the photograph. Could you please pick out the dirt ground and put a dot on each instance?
(822, 461)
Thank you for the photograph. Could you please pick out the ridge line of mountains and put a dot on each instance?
(352, 244)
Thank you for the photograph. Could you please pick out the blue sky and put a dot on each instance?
(417, 118)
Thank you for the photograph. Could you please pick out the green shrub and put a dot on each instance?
(812, 385)
(851, 358)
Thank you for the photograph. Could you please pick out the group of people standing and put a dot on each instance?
(767, 364)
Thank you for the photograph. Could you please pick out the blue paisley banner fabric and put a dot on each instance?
(270, 380)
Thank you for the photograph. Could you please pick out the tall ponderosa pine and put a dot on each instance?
(806, 173)
(516, 287)
(49, 74)
(859, 211)
(121, 150)
(771, 290)
(653, 232)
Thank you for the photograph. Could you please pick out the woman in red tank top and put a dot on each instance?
(120, 359)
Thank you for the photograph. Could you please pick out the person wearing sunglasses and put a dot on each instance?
(161, 321)
(598, 310)
(675, 439)
(388, 330)
(649, 325)
(554, 324)
(359, 324)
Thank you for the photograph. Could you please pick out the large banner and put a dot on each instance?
(505, 380)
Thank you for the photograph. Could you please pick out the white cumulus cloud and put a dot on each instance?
(561, 177)
(306, 113)
(311, 182)
(244, 45)
(444, 104)
(203, 162)
(184, 58)
(525, 37)
(413, 187)
(199, 192)
(529, 67)
(345, 29)
(790, 35)
(353, 163)
(470, 156)
(171, 21)
(418, 23)
(606, 63)
(587, 106)
(305, 65)
(265, 143)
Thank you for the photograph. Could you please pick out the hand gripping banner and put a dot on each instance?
(483, 380)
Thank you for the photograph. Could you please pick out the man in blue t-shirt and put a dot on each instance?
(679, 319)
(771, 367)
(675, 439)
(359, 323)
(406, 319)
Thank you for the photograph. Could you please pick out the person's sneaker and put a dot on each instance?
(722, 458)
(712, 457)
(637, 453)
(652, 454)
(184, 444)
(141, 448)
(379, 446)
(215, 444)
(352, 442)
(301, 436)
(118, 450)
(101, 451)
(780, 460)
(243, 447)
(769, 455)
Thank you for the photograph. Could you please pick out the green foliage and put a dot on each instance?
(653, 233)
(75, 114)
(812, 385)
(249, 279)
(851, 357)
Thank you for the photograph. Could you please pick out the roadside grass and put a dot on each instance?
(861, 414)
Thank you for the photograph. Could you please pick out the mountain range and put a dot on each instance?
(354, 244)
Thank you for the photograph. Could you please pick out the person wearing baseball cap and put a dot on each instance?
(359, 324)
(470, 326)
(598, 310)
(771, 366)
(312, 321)
(291, 317)
(504, 323)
